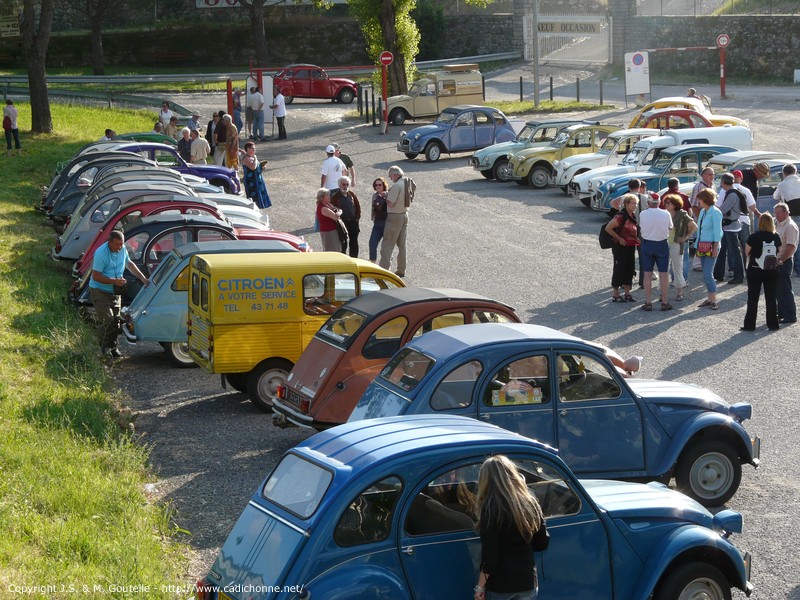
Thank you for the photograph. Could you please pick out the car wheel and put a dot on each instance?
(488, 173)
(287, 99)
(502, 170)
(178, 353)
(694, 581)
(346, 96)
(709, 472)
(398, 116)
(263, 382)
(564, 189)
(433, 152)
(411, 155)
(237, 381)
(539, 177)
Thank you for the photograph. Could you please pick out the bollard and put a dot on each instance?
(601, 92)
(551, 89)
(520, 89)
(360, 104)
(483, 87)
(373, 107)
(379, 110)
(577, 89)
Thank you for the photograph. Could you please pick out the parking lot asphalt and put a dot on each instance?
(538, 252)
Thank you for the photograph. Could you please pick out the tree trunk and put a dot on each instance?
(34, 42)
(98, 60)
(398, 83)
(256, 10)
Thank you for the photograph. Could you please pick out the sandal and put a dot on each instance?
(617, 299)
(648, 306)
(629, 298)
(705, 303)
(713, 306)
(666, 306)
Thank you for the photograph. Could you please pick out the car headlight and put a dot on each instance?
(403, 134)
(416, 137)
(556, 163)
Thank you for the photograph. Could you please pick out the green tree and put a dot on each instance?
(429, 16)
(35, 26)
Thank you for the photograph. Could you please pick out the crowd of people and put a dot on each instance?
(714, 227)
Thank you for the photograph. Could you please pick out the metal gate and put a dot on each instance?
(583, 39)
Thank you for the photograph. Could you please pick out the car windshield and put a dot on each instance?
(297, 485)
(341, 327)
(526, 134)
(415, 90)
(640, 155)
(561, 139)
(164, 268)
(407, 368)
(447, 117)
(608, 145)
(662, 162)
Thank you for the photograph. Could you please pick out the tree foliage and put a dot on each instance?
(429, 16)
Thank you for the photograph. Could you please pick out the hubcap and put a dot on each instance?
(269, 382)
(505, 172)
(711, 475)
(702, 589)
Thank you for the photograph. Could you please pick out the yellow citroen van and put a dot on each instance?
(251, 315)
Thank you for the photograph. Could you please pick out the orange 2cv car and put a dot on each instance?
(357, 341)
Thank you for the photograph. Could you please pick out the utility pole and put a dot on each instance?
(535, 53)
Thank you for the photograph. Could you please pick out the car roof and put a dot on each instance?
(380, 301)
(452, 340)
(353, 446)
(679, 147)
(551, 122)
(303, 65)
(180, 220)
(730, 158)
(234, 246)
(672, 109)
(460, 107)
(648, 131)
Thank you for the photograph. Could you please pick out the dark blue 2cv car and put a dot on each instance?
(565, 392)
(384, 510)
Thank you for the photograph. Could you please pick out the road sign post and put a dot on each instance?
(386, 58)
(723, 39)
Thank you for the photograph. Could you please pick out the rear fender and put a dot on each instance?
(359, 580)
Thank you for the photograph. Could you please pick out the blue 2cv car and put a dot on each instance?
(563, 391)
(384, 510)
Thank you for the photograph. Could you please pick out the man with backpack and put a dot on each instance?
(732, 204)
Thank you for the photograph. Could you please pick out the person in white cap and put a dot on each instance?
(332, 169)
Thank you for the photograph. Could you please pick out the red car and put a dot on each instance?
(672, 118)
(311, 81)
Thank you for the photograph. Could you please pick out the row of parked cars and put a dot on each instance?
(412, 389)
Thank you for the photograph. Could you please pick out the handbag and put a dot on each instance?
(7, 123)
(705, 248)
(342, 231)
(119, 290)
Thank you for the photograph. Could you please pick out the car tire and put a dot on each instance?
(287, 99)
(398, 116)
(346, 96)
(694, 580)
(178, 353)
(433, 152)
(237, 381)
(411, 155)
(502, 170)
(539, 177)
(709, 471)
(263, 382)
(488, 173)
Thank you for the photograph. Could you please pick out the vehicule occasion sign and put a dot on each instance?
(561, 27)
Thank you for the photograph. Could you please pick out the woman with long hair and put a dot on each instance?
(762, 273)
(709, 236)
(512, 528)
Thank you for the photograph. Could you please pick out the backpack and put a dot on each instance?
(769, 257)
(732, 215)
(411, 191)
(605, 239)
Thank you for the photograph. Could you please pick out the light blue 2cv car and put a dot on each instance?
(384, 510)
(565, 392)
(159, 311)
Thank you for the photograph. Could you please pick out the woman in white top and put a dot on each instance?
(12, 130)
(165, 115)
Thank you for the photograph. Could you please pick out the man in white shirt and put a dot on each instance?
(279, 107)
(654, 226)
(790, 236)
(332, 169)
(788, 191)
(199, 148)
(256, 102)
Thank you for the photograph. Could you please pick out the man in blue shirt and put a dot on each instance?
(108, 267)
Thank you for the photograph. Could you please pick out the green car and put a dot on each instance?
(492, 161)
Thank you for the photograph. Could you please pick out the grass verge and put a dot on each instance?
(75, 520)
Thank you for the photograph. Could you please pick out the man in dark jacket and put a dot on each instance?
(347, 201)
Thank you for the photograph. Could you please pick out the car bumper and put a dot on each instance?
(598, 203)
(755, 442)
(478, 165)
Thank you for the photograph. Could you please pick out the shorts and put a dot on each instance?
(248, 115)
(655, 253)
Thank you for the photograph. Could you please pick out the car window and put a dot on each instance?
(599, 137)
(372, 283)
(181, 283)
(582, 139)
(302, 74)
(686, 166)
(105, 210)
(490, 316)
(368, 518)
(316, 73)
(697, 121)
(522, 381)
(340, 328)
(456, 390)
(447, 87)
(465, 119)
(446, 504)
(678, 122)
(165, 266)
(582, 377)
(407, 368)
(385, 340)
(135, 244)
(324, 293)
(483, 119)
(204, 294)
(297, 485)
(212, 235)
(555, 495)
(129, 220)
(165, 158)
(195, 290)
(440, 322)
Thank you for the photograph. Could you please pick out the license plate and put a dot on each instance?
(756, 441)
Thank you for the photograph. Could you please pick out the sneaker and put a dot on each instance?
(115, 353)
(399, 274)
(735, 281)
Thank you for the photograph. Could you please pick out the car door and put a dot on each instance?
(579, 142)
(301, 85)
(426, 102)
(484, 130)
(462, 132)
(517, 395)
(319, 84)
(685, 167)
(599, 423)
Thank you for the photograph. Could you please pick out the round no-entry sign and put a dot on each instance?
(723, 39)
(386, 58)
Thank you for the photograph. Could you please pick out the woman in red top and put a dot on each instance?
(625, 231)
(328, 217)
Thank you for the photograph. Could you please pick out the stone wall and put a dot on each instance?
(760, 45)
(478, 34)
